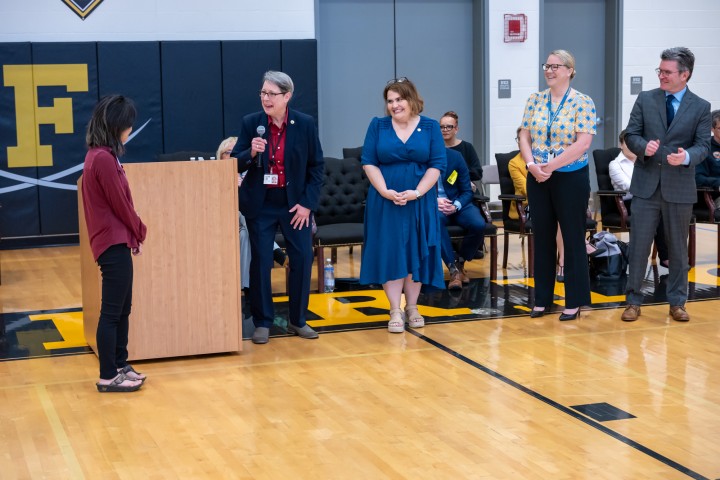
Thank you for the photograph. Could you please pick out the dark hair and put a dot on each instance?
(683, 56)
(452, 114)
(406, 89)
(112, 115)
(715, 118)
(622, 136)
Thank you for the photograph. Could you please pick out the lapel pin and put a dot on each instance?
(292, 122)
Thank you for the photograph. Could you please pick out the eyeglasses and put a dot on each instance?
(552, 66)
(264, 94)
(397, 80)
(445, 128)
(665, 73)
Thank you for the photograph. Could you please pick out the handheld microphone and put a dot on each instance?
(260, 130)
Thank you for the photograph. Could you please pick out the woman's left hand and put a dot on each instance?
(406, 196)
(301, 218)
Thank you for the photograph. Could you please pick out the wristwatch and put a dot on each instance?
(417, 192)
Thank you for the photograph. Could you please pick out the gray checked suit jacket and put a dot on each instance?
(690, 129)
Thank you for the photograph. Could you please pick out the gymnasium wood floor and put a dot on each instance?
(482, 392)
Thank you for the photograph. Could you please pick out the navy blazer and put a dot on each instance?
(460, 190)
(688, 130)
(304, 164)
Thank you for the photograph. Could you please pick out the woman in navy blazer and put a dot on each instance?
(280, 150)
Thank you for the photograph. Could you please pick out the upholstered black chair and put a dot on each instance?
(613, 214)
(341, 212)
(615, 217)
(522, 225)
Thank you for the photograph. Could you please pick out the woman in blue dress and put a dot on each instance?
(403, 156)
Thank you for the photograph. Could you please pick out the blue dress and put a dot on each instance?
(402, 240)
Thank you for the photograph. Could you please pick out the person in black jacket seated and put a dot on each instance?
(707, 174)
(455, 207)
(280, 150)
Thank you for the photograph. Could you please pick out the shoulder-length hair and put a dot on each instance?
(112, 115)
(406, 89)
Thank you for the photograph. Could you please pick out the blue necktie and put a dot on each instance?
(670, 110)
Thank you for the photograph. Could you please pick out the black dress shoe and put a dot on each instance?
(570, 316)
(537, 313)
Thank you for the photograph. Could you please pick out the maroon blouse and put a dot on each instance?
(109, 211)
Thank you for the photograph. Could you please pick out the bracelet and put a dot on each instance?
(417, 193)
(527, 165)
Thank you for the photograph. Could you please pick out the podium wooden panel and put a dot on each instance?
(186, 290)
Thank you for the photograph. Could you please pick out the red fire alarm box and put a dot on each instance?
(515, 27)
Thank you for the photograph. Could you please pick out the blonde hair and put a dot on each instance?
(567, 59)
(224, 145)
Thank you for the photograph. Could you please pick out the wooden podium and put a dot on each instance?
(186, 290)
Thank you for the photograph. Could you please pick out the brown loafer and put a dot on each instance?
(679, 314)
(631, 313)
(463, 275)
(455, 282)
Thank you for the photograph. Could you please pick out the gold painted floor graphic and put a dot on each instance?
(40, 334)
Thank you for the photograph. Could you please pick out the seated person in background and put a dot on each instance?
(449, 127)
(707, 174)
(455, 207)
(518, 174)
(223, 153)
(621, 170)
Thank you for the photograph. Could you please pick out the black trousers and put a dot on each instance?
(562, 199)
(112, 332)
(262, 229)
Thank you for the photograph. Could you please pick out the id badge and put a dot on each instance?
(270, 179)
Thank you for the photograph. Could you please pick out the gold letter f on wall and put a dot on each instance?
(26, 79)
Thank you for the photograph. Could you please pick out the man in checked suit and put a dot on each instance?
(285, 171)
(669, 132)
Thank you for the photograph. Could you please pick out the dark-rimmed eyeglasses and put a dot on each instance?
(264, 93)
(445, 128)
(397, 80)
(665, 73)
(552, 66)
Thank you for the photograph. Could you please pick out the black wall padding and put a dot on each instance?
(192, 95)
(20, 208)
(244, 63)
(58, 208)
(194, 92)
(299, 60)
(133, 69)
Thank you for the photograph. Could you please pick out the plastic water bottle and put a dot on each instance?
(329, 276)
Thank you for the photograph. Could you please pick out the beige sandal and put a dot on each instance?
(414, 319)
(397, 321)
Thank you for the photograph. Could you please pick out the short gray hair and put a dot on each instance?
(281, 79)
(683, 56)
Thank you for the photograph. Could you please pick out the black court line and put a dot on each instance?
(588, 421)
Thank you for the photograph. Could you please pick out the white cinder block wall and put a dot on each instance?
(517, 62)
(140, 20)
